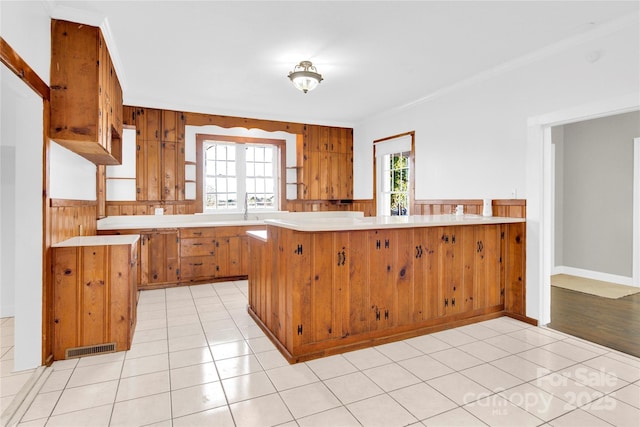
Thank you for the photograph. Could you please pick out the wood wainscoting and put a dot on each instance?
(148, 208)
(71, 218)
(511, 208)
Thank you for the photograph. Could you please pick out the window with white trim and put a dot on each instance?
(233, 171)
(393, 175)
(394, 194)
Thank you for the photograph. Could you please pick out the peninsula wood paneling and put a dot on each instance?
(511, 208)
(345, 290)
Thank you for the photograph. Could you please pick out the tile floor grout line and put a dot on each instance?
(229, 300)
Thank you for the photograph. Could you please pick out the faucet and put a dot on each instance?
(246, 206)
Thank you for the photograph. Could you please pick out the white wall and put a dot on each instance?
(597, 235)
(26, 27)
(21, 138)
(472, 140)
(72, 177)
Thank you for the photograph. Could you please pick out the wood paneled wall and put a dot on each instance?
(71, 218)
(512, 208)
(299, 205)
(148, 208)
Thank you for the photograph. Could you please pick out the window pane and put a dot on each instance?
(221, 185)
(250, 154)
(221, 152)
(210, 167)
(221, 168)
(259, 169)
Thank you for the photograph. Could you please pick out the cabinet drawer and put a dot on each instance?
(199, 246)
(198, 266)
(197, 232)
(231, 231)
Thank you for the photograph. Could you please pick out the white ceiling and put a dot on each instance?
(233, 57)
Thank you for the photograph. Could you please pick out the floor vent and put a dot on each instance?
(89, 350)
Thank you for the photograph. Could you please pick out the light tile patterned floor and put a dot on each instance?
(198, 359)
(10, 381)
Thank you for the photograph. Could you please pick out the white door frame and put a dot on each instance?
(636, 212)
(539, 181)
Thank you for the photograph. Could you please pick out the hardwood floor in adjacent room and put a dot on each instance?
(614, 323)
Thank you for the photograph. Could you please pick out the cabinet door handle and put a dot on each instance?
(446, 302)
(344, 257)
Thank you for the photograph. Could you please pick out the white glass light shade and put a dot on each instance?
(305, 76)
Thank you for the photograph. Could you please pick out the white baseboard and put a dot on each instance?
(594, 275)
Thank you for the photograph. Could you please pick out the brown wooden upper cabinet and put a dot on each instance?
(86, 97)
(159, 153)
(327, 169)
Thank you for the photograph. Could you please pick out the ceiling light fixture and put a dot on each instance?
(305, 76)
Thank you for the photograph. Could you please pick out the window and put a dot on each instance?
(393, 174)
(235, 170)
(395, 184)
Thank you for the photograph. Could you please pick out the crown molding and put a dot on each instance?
(600, 31)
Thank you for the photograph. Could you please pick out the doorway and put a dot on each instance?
(594, 231)
(539, 175)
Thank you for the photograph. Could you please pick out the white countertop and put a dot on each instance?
(144, 222)
(124, 239)
(258, 234)
(379, 222)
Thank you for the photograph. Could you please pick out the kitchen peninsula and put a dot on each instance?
(178, 250)
(329, 285)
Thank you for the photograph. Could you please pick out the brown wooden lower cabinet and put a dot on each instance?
(159, 258)
(186, 255)
(95, 295)
(319, 293)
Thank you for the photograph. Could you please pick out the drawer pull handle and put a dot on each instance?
(196, 264)
(197, 244)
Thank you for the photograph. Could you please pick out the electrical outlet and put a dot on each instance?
(159, 211)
